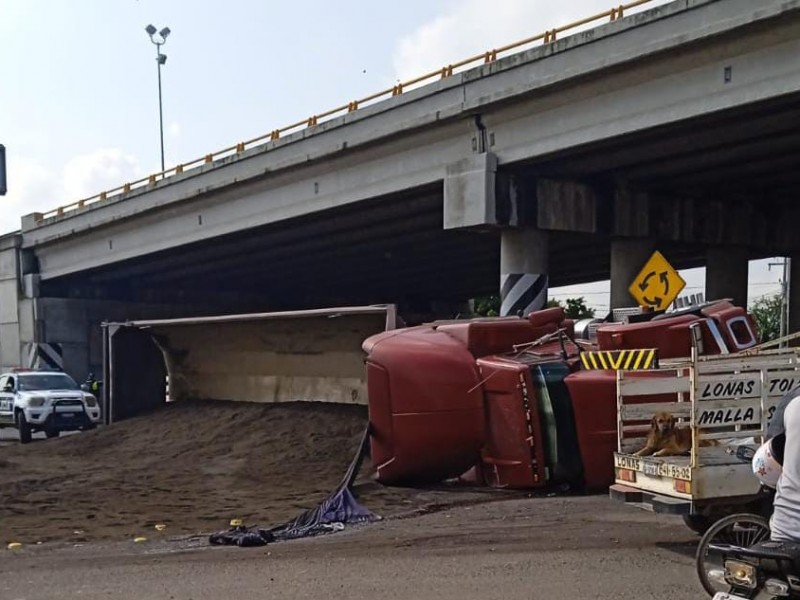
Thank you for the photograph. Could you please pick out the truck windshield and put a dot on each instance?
(50, 381)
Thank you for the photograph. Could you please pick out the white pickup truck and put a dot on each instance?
(48, 401)
(727, 402)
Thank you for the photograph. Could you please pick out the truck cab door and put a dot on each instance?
(513, 456)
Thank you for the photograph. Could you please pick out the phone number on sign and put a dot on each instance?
(655, 468)
(667, 470)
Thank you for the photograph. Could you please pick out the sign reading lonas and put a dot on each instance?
(746, 386)
(657, 284)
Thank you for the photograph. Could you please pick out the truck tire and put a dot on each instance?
(699, 523)
(24, 428)
(51, 433)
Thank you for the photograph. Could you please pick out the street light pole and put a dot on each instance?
(160, 111)
(159, 40)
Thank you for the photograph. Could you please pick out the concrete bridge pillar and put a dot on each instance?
(10, 341)
(727, 273)
(20, 324)
(628, 256)
(524, 258)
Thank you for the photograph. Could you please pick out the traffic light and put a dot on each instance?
(2, 170)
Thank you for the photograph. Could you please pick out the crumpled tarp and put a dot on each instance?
(333, 514)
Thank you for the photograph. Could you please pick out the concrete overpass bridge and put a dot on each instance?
(567, 162)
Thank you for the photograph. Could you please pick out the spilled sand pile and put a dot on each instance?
(192, 466)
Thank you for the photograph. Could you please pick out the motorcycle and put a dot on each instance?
(767, 569)
(750, 565)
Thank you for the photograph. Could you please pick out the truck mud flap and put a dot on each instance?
(649, 501)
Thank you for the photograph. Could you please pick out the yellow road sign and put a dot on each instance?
(657, 284)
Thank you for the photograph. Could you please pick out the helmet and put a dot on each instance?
(766, 466)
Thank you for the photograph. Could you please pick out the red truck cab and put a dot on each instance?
(507, 396)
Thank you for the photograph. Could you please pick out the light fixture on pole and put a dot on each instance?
(159, 38)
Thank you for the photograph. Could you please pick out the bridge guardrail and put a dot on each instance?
(487, 57)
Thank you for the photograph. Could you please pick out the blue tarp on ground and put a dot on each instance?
(333, 514)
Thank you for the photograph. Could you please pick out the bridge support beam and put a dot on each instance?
(524, 261)
(628, 256)
(469, 192)
(727, 273)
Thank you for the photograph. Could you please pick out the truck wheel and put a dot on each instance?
(51, 433)
(25, 434)
(698, 523)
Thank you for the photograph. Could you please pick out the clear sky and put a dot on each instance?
(78, 87)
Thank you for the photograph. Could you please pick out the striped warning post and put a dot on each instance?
(628, 360)
(522, 293)
(45, 356)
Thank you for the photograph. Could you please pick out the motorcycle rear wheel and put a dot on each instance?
(744, 529)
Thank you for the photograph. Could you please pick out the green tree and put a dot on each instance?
(576, 308)
(487, 306)
(767, 315)
(554, 303)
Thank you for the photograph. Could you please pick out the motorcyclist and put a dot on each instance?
(781, 454)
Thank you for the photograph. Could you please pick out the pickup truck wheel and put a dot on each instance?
(698, 523)
(51, 433)
(25, 434)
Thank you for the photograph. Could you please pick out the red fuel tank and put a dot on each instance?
(594, 402)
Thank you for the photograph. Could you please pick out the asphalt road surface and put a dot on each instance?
(557, 547)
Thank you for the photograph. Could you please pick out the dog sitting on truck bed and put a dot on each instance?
(666, 438)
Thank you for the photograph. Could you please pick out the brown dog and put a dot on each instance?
(665, 438)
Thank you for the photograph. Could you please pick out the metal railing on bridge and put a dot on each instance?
(490, 56)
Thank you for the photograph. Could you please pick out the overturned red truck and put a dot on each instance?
(506, 399)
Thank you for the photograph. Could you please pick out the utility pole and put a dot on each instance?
(785, 291)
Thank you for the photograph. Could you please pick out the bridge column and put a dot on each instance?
(21, 328)
(628, 256)
(10, 343)
(524, 258)
(727, 273)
